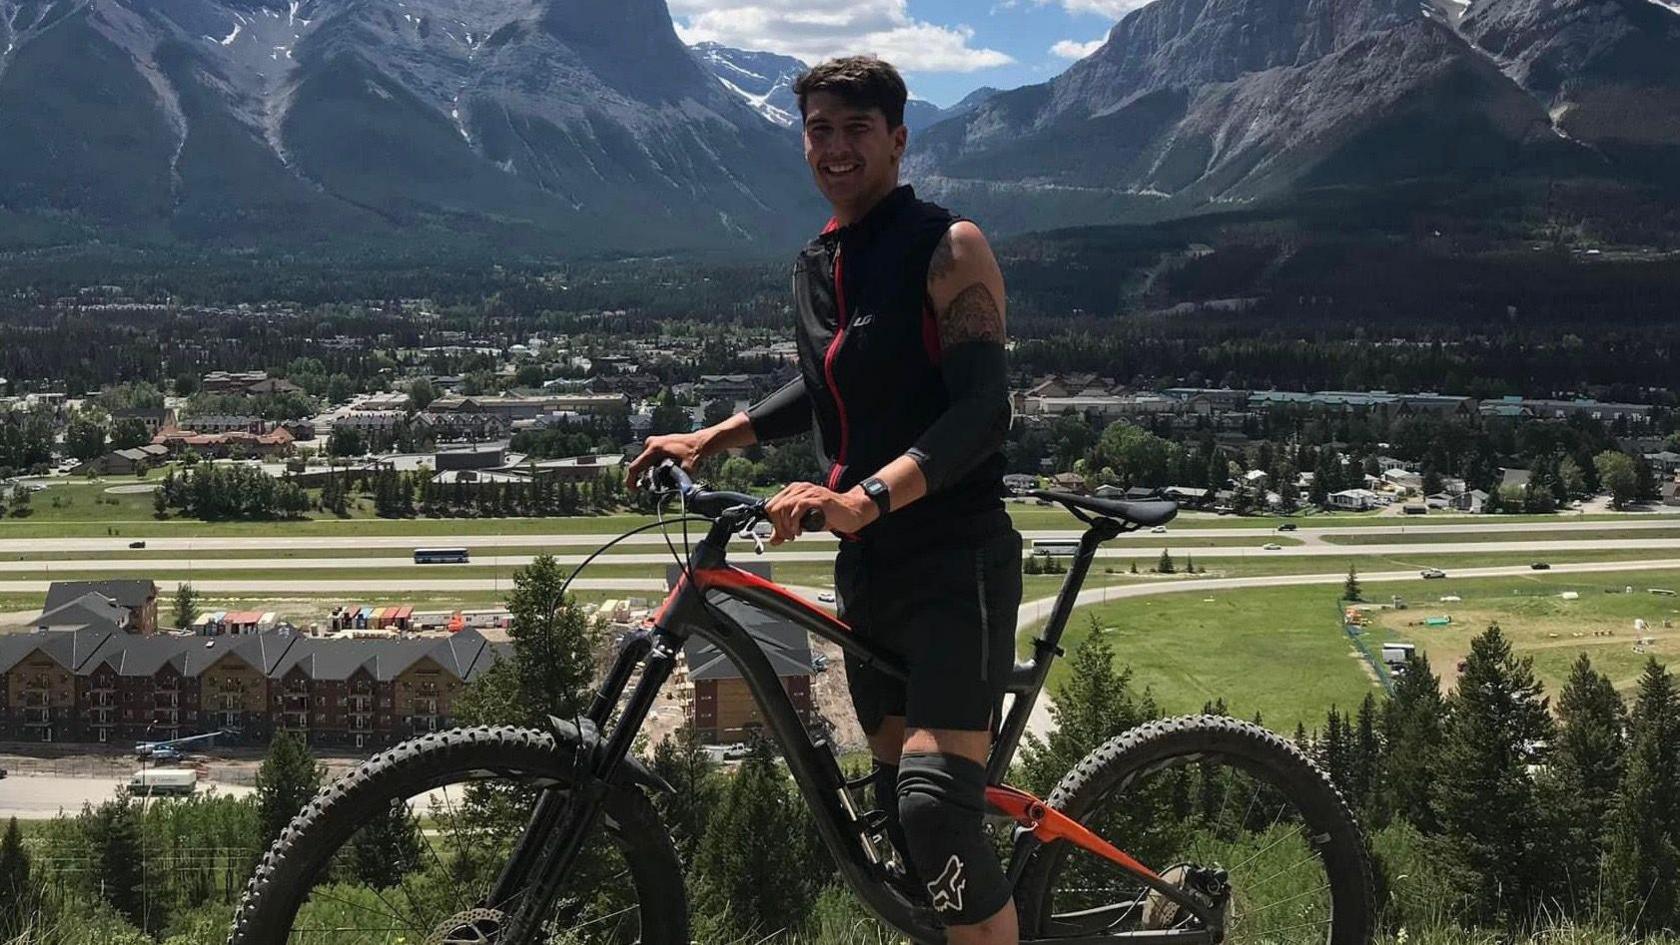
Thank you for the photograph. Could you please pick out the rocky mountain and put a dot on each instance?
(1607, 71)
(551, 125)
(765, 81)
(1197, 103)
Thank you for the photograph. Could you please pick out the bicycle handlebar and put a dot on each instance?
(716, 503)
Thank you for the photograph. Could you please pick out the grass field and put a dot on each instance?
(1281, 651)
(1277, 651)
(1540, 623)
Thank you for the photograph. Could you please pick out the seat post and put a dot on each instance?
(1046, 647)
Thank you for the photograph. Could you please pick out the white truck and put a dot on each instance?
(181, 781)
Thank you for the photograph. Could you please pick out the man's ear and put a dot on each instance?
(901, 138)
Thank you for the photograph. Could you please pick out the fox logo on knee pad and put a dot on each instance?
(947, 890)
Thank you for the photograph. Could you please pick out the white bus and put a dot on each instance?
(1061, 547)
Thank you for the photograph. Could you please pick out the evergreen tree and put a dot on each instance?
(1644, 854)
(386, 848)
(1579, 791)
(1367, 754)
(112, 833)
(1165, 564)
(553, 642)
(755, 875)
(1351, 589)
(186, 605)
(17, 895)
(1092, 704)
(1335, 753)
(288, 778)
(1412, 723)
(682, 761)
(1489, 807)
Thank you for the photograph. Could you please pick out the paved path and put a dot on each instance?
(826, 554)
(1306, 533)
(37, 798)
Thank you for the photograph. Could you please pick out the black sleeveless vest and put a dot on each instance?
(869, 352)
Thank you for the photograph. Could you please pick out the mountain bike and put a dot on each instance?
(1186, 830)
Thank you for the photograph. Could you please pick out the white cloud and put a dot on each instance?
(1073, 49)
(799, 28)
(1112, 9)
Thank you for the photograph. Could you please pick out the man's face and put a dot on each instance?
(852, 153)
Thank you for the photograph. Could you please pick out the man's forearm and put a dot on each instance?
(734, 433)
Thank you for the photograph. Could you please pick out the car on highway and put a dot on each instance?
(1271, 546)
(1541, 566)
(826, 597)
(136, 544)
(1287, 527)
(1159, 530)
(1432, 573)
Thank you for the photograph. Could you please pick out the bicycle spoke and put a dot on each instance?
(1274, 904)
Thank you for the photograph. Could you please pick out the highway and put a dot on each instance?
(1310, 534)
(1115, 551)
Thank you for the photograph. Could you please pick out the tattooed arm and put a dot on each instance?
(965, 288)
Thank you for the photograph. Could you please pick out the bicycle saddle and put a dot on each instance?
(1143, 513)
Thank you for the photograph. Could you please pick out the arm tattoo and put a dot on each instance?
(972, 316)
(943, 260)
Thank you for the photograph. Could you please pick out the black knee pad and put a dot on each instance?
(942, 804)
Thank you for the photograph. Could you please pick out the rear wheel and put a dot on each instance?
(1214, 805)
(406, 848)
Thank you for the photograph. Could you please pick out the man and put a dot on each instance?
(900, 325)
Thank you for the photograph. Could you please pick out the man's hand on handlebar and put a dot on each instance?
(687, 449)
(789, 508)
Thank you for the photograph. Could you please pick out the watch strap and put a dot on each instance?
(878, 493)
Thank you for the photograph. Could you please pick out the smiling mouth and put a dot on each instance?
(841, 169)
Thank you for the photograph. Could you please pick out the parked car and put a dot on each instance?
(1271, 546)
(1541, 566)
(136, 544)
(1431, 573)
(1287, 527)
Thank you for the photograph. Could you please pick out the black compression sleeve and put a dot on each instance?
(785, 413)
(976, 423)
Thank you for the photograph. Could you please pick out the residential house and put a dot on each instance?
(155, 418)
(1355, 500)
(1474, 500)
(124, 462)
(721, 707)
(137, 598)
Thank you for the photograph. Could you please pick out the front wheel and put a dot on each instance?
(406, 848)
(1214, 805)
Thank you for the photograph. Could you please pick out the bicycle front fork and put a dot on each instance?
(565, 816)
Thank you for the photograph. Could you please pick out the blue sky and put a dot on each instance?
(946, 48)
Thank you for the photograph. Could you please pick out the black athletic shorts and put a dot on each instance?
(949, 610)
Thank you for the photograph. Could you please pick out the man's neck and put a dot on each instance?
(853, 212)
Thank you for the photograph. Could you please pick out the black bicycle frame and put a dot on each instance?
(560, 825)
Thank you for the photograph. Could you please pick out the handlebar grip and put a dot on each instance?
(814, 521)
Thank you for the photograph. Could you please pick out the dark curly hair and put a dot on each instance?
(859, 81)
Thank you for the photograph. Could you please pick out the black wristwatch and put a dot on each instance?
(877, 492)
